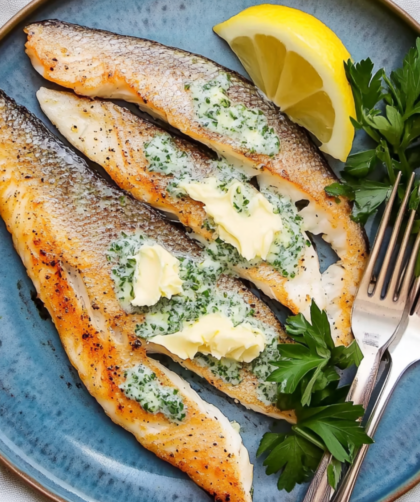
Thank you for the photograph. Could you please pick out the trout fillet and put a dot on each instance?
(127, 216)
(96, 63)
(115, 138)
(62, 218)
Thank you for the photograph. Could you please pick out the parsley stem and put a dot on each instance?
(372, 133)
(388, 162)
(393, 92)
(417, 267)
(405, 166)
(308, 436)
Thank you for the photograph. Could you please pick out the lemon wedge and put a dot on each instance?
(297, 62)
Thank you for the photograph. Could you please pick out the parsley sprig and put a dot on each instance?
(308, 381)
(294, 455)
(309, 366)
(388, 110)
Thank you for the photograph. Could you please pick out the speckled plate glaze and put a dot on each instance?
(51, 431)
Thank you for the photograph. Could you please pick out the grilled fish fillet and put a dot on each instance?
(62, 218)
(100, 224)
(115, 138)
(96, 63)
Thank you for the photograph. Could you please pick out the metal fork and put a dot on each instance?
(375, 318)
(404, 351)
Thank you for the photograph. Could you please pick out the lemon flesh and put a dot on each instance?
(297, 62)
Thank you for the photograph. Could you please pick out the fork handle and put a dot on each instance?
(399, 364)
(364, 382)
(347, 485)
(360, 392)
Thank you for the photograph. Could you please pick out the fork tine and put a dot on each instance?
(408, 277)
(367, 276)
(415, 305)
(394, 236)
(397, 273)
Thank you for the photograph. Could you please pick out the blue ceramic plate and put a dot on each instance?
(51, 430)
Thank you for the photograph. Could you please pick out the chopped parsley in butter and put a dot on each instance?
(165, 157)
(215, 111)
(288, 245)
(142, 385)
(244, 218)
(200, 297)
(156, 275)
(226, 369)
(214, 334)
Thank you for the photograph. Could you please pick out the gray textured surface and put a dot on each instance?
(9, 7)
(412, 7)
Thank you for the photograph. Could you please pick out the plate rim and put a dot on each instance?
(4, 31)
(29, 480)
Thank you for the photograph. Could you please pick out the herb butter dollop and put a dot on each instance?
(156, 275)
(244, 218)
(215, 335)
(165, 156)
(216, 112)
(200, 296)
(142, 385)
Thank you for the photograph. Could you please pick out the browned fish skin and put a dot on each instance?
(114, 218)
(99, 63)
(63, 218)
(92, 215)
(118, 145)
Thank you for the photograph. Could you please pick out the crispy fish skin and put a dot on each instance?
(103, 64)
(62, 218)
(176, 240)
(94, 213)
(115, 138)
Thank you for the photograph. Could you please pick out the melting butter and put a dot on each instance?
(156, 275)
(214, 334)
(248, 126)
(244, 217)
(236, 426)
